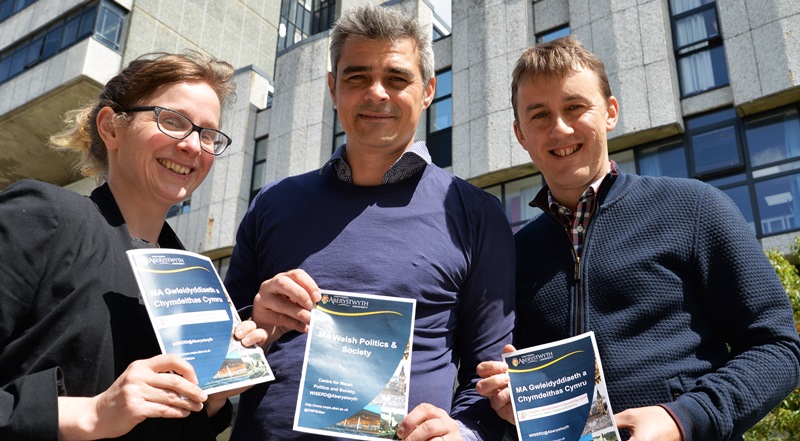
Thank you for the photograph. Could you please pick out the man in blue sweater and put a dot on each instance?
(693, 326)
(379, 218)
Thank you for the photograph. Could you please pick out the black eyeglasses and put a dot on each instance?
(177, 125)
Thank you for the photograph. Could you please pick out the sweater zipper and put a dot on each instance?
(578, 298)
(576, 276)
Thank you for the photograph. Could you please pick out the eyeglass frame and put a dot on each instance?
(195, 128)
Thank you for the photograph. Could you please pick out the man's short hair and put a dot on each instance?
(556, 58)
(371, 22)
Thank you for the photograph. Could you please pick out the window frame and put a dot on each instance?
(435, 140)
(707, 44)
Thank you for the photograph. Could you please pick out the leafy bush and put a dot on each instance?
(783, 423)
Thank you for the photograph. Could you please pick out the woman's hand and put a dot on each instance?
(164, 386)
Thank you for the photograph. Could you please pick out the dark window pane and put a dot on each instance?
(5, 67)
(34, 52)
(778, 204)
(258, 176)
(727, 180)
(680, 6)
(696, 28)
(18, 61)
(703, 71)
(720, 66)
(52, 42)
(437, 35)
(726, 115)
(338, 140)
(715, 150)
(440, 147)
(173, 211)
(261, 150)
(440, 115)
(552, 35)
(773, 139)
(70, 35)
(444, 84)
(88, 18)
(518, 194)
(667, 160)
(741, 196)
(5, 9)
(20, 5)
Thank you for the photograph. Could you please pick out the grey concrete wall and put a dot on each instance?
(242, 32)
(762, 46)
(488, 37)
(301, 120)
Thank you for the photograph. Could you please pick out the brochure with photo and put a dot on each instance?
(194, 318)
(558, 392)
(355, 377)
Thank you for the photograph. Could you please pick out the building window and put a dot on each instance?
(437, 34)
(259, 175)
(773, 150)
(11, 7)
(698, 46)
(180, 208)
(303, 18)
(552, 34)
(440, 121)
(339, 137)
(668, 159)
(222, 265)
(110, 22)
(104, 21)
(516, 196)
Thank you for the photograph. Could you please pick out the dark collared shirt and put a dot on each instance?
(577, 222)
(414, 159)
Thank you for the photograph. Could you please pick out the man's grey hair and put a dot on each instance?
(371, 22)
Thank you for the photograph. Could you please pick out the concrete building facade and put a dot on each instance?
(708, 90)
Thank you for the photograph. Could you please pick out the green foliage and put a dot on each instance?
(783, 423)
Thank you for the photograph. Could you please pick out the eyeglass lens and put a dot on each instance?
(178, 126)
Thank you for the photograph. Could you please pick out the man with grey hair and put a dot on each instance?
(379, 218)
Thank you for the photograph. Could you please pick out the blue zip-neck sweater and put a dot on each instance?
(432, 237)
(687, 310)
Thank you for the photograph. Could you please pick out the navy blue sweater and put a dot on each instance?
(431, 237)
(687, 309)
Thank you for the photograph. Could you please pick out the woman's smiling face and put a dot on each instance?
(146, 164)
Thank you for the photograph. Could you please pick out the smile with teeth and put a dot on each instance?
(566, 151)
(177, 168)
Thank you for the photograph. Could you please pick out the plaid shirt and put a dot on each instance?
(577, 223)
(414, 159)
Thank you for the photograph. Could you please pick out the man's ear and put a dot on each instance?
(332, 88)
(613, 113)
(519, 135)
(430, 90)
(107, 128)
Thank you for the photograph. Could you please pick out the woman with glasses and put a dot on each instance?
(78, 355)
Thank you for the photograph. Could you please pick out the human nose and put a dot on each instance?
(376, 92)
(561, 126)
(191, 143)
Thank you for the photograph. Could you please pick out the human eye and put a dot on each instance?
(355, 78)
(173, 121)
(209, 137)
(538, 115)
